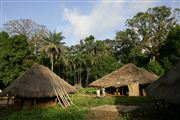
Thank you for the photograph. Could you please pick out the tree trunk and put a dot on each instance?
(153, 58)
(75, 78)
(52, 63)
(87, 78)
(80, 78)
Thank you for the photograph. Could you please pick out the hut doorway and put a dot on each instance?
(122, 91)
(142, 89)
(110, 90)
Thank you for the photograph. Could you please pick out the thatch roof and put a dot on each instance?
(37, 82)
(167, 87)
(125, 75)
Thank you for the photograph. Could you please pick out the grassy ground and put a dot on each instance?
(88, 100)
(83, 100)
(50, 113)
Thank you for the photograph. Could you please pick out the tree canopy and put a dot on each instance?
(15, 57)
(147, 35)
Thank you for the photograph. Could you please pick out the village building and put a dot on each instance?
(39, 86)
(128, 80)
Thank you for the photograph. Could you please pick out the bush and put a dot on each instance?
(88, 90)
(155, 67)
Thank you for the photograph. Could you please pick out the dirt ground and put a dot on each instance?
(109, 112)
(102, 115)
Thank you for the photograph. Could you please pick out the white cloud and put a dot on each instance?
(103, 18)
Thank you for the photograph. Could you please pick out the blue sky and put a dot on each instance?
(78, 19)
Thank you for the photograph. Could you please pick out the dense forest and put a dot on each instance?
(151, 40)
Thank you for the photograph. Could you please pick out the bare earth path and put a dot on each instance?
(109, 112)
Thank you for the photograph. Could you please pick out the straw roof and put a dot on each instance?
(167, 87)
(127, 74)
(37, 82)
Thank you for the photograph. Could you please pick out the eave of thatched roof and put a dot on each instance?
(38, 81)
(125, 75)
(167, 87)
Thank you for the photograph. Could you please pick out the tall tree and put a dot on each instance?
(33, 31)
(126, 50)
(25, 27)
(170, 50)
(151, 28)
(53, 47)
(88, 48)
(15, 57)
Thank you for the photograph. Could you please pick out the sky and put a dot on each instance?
(77, 19)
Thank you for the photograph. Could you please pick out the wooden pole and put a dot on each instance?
(66, 93)
(61, 94)
(56, 94)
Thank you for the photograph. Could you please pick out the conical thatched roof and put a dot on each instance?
(167, 87)
(36, 82)
(125, 75)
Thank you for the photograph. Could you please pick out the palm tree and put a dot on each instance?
(91, 51)
(76, 63)
(87, 47)
(53, 47)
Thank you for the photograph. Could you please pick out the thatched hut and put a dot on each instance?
(167, 87)
(38, 85)
(129, 79)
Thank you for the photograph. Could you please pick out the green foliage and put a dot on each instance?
(50, 113)
(150, 28)
(15, 57)
(53, 48)
(152, 32)
(170, 51)
(155, 67)
(88, 90)
(147, 36)
(146, 31)
(103, 66)
(135, 55)
(89, 61)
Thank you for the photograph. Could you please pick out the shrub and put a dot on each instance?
(155, 67)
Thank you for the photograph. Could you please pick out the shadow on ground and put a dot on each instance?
(147, 110)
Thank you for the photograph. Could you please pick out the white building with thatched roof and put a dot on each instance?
(128, 79)
(37, 83)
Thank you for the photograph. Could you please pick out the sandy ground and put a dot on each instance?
(109, 112)
(115, 108)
